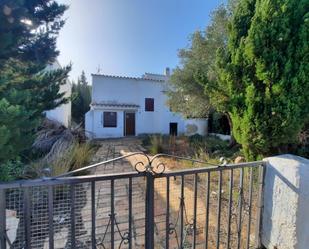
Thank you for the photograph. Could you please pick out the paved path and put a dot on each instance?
(110, 149)
(114, 148)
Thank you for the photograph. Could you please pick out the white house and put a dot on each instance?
(62, 113)
(129, 106)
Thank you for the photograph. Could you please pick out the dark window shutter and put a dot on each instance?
(110, 119)
(149, 104)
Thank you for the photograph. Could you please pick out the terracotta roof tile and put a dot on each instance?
(115, 105)
(127, 77)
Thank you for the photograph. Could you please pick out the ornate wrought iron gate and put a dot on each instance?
(211, 206)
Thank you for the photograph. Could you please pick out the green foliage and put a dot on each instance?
(11, 170)
(196, 138)
(14, 123)
(212, 146)
(156, 144)
(145, 138)
(196, 90)
(81, 98)
(28, 44)
(303, 145)
(218, 123)
(207, 148)
(265, 70)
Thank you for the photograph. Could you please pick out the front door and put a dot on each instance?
(129, 124)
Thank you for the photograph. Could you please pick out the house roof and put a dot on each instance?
(128, 77)
(122, 105)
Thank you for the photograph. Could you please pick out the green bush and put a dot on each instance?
(146, 139)
(196, 138)
(211, 147)
(11, 170)
(210, 143)
(156, 144)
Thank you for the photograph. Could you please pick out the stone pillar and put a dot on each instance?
(285, 220)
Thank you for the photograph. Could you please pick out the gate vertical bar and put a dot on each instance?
(258, 227)
(130, 213)
(27, 217)
(72, 194)
(2, 219)
(250, 207)
(219, 209)
(167, 221)
(207, 210)
(230, 210)
(93, 216)
(51, 216)
(241, 183)
(195, 210)
(149, 219)
(182, 202)
(112, 216)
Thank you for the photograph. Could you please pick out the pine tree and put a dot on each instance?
(28, 32)
(265, 69)
(81, 98)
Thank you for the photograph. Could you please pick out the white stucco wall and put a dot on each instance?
(285, 223)
(89, 124)
(94, 122)
(62, 113)
(133, 91)
(221, 136)
(196, 126)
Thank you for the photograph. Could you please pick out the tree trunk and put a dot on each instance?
(232, 141)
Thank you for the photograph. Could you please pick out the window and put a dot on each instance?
(110, 119)
(149, 104)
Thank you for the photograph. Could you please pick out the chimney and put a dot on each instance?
(167, 72)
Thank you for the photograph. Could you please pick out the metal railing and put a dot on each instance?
(212, 206)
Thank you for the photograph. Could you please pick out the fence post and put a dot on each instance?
(258, 228)
(2, 219)
(149, 219)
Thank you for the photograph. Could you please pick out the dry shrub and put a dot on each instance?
(53, 139)
(62, 149)
(77, 156)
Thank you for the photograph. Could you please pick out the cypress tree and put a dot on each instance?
(81, 98)
(265, 69)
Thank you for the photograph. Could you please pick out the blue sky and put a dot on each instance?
(129, 37)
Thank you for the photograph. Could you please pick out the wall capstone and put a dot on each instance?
(285, 218)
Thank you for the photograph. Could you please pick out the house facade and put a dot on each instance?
(61, 114)
(130, 106)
